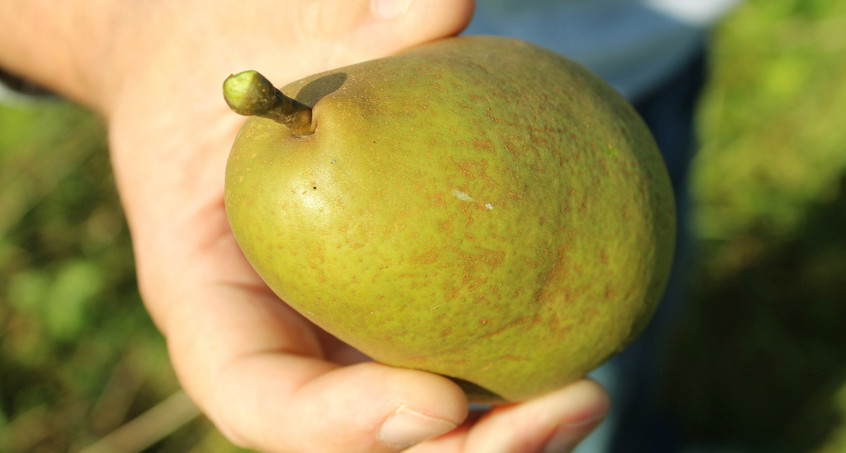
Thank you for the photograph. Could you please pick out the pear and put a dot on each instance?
(477, 207)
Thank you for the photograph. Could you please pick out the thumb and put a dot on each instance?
(275, 402)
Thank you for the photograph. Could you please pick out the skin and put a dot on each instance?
(270, 380)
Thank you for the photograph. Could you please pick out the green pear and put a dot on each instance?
(477, 207)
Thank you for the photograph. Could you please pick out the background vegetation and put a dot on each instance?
(759, 361)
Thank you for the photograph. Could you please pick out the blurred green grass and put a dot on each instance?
(79, 355)
(759, 360)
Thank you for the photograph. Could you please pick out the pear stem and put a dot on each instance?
(251, 94)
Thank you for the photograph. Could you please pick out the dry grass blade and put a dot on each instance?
(149, 427)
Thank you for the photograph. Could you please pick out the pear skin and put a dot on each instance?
(477, 207)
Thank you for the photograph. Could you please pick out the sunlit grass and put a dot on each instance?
(771, 121)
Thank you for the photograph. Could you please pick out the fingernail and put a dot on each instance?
(389, 9)
(568, 436)
(407, 427)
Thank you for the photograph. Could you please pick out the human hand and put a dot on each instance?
(268, 378)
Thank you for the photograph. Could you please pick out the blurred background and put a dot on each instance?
(759, 362)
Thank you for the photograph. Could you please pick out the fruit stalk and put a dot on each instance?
(251, 94)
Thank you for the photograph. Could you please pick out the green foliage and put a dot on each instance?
(761, 358)
(771, 117)
(79, 355)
